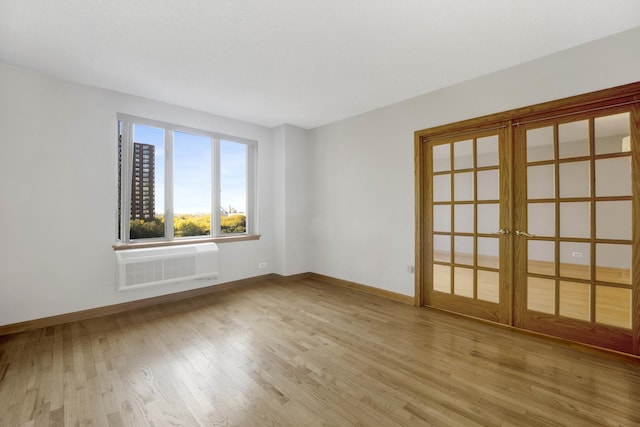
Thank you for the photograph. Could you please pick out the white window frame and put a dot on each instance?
(125, 180)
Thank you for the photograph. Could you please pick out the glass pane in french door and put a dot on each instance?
(577, 234)
(466, 210)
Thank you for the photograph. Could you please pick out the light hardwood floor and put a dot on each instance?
(305, 353)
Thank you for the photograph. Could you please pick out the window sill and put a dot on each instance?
(225, 239)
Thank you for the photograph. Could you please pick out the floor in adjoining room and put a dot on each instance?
(305, 353)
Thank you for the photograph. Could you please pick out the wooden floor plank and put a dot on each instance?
(309, 353)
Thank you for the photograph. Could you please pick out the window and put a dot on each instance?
(180, 183)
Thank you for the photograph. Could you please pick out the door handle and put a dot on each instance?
(503, 231)
(524, 233)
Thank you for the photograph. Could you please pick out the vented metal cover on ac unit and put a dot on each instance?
(138, 268)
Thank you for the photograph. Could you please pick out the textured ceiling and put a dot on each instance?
(305, 63)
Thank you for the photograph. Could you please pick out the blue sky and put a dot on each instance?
(192, 171)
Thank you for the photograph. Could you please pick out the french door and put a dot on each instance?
(574, 234)
(534, 221)
(471, 261)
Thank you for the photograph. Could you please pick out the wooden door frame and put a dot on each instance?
(626, 94)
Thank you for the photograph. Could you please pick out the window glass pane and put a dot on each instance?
(575, 300)
(463, 155)
(540, 182)
(442, 248)
(489, 185)
(191, 185)
(441, 158)
(487, 151)
(575, 260)
(541, 257)
(442, 188)
(233, 187)
(463, 183)
(613, 263)
(610, 132)
(147, 192)
(442, 278)
(541, 295)
(540, 144)
(463, 215)
(574, 219)
(489, 252)
(463, 250)
(573, 139)
(613, 220)
(463, 282)
(489, 286)
(613, 306)
(613, 177)
(442, 218)
(541, 219)
(488, 217)
(574, 179)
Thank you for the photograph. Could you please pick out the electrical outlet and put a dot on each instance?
(262, 265)
(576, 254)
(410, 269)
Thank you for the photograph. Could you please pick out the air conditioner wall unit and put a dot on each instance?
(139, 268)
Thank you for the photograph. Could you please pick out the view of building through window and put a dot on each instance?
(173, 173)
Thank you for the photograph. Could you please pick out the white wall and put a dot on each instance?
(296, 167)
(279, 197)
(58, 195)
(291, 179)
(362, 184)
